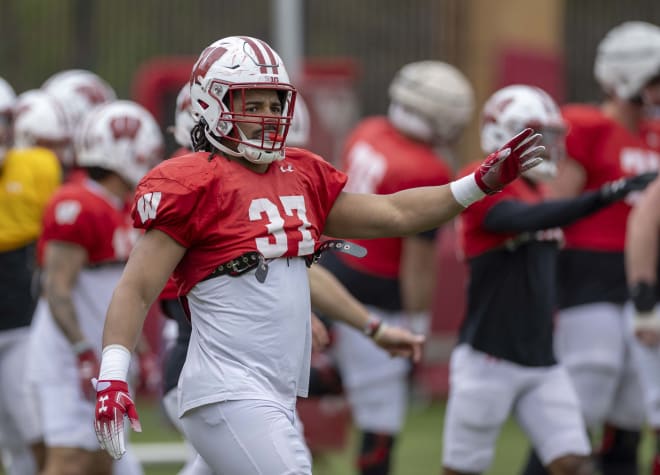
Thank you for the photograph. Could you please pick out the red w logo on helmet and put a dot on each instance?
(209, 56)
(125, 127)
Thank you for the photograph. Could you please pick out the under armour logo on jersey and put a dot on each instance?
(147, 205)
(288, 169)
(103, 407)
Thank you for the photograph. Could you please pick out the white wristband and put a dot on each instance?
(115, 362)
(466, 191)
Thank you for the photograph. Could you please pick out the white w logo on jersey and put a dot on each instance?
(147, 205)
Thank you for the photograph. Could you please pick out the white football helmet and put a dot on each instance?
(513, 108)
(300, 125)
(7, 98)
(431, 101)
(183, 118)
(628, 58)
(39, 121)
(234, 64)
(78, 91)
(121, 136)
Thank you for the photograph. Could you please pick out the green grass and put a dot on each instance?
(418, 451)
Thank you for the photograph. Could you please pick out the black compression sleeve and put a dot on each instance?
(512, 216)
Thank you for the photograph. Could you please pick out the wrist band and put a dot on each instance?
(372, 326)
(466, 191)
(115, 362)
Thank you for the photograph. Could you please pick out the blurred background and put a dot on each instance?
(342, 55)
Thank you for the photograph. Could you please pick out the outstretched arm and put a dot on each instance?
(331, 298)
(420, 209)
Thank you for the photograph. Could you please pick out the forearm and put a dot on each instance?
(407, 212)
(64, 313)
(417, 275)
(331, 298)
(125, 318)
(515, 217)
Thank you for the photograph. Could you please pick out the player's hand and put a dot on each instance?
(88, 367)
(113, 402)
(617, 190)
(320, 336)
(503, 166)
(646, 326)
(399, 341)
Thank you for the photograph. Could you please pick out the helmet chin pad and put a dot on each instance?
(256, 155)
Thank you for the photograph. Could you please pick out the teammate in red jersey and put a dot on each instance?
(87, 237)
(237, 222)
(605, 143)
(504, 363)
(430, 104)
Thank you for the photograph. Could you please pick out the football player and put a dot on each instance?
(77, 91)
(28, 177)
(504, 362)
(430, 104)
(606, 142)
(86, 240)
(237, 222)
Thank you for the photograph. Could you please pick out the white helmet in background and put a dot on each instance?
(39, 121)
(78, 91)
(299, 132)
(7, 98)
(121, 136)
(513, 108)
(239, 63)
(628, 58)
(431, 101)
(183, 118)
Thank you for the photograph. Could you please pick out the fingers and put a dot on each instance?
(132, 414)
(519, 139)
(110, 435)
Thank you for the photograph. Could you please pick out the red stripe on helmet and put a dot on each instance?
(260, 56)
(271, 56)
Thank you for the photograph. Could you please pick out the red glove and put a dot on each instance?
(88, 367)
(500, 168)
(113, 403)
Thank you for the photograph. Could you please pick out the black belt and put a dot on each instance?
(338, 245)
(251, 260)
(243, 263)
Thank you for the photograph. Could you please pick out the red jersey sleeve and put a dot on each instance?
(167, 199)
(67, 220)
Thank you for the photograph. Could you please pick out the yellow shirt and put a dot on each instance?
(28, 178)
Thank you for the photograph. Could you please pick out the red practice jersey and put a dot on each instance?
(378, 159)
(85, 214)
(218, 209)
(607, 151)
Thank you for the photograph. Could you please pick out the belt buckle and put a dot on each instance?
(240, 264)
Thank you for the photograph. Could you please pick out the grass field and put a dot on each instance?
(418, 452)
